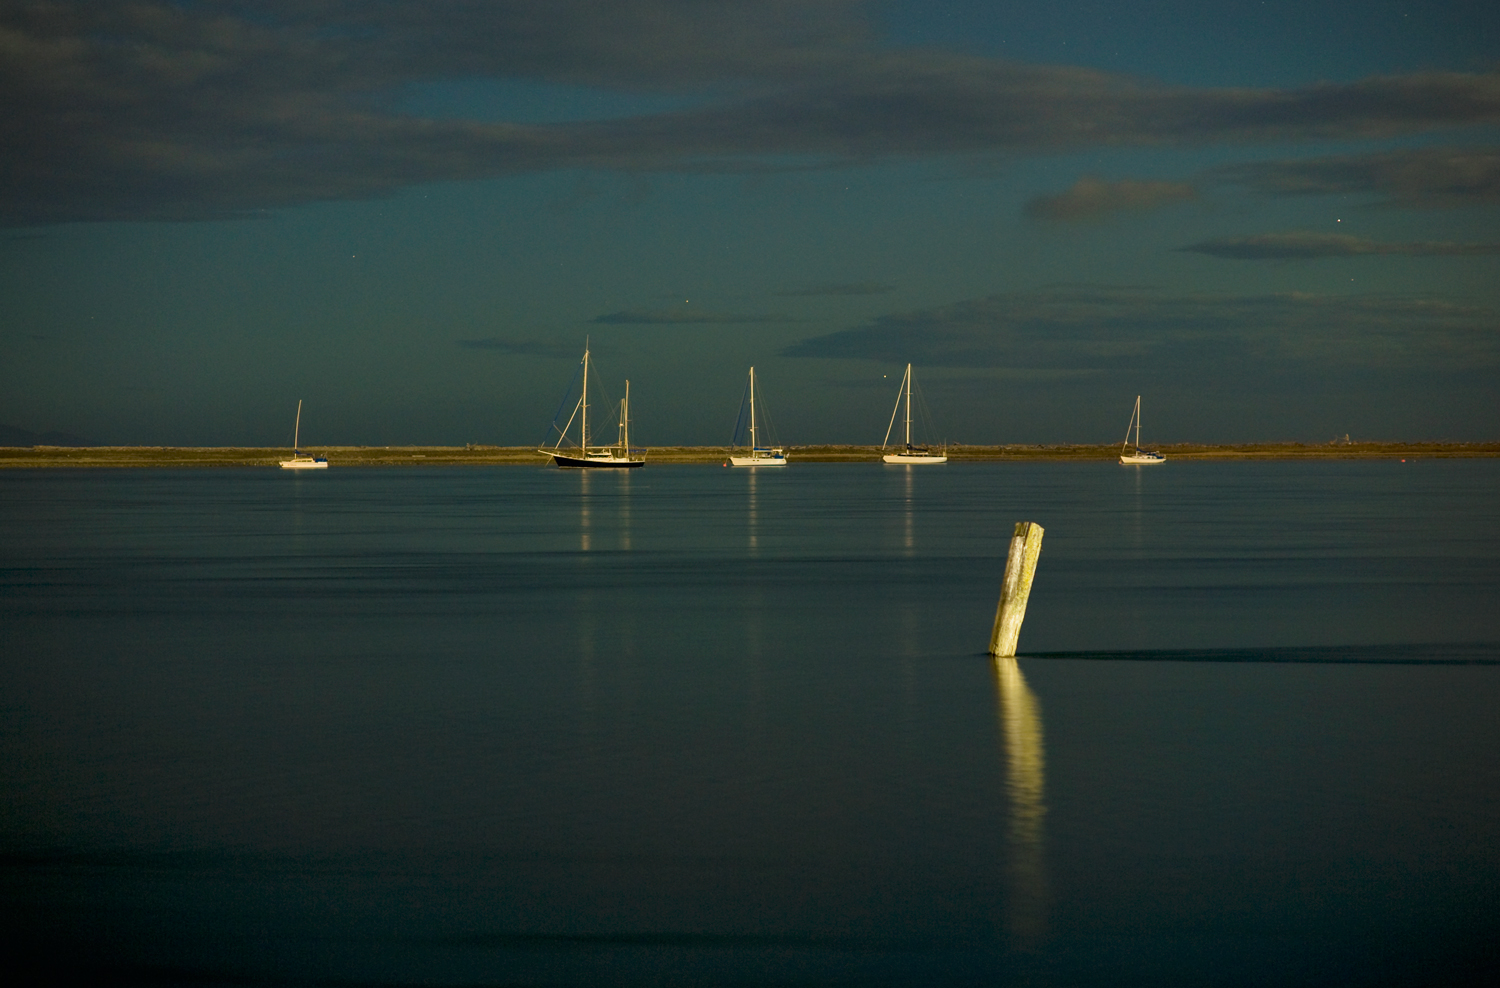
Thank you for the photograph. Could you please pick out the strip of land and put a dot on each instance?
(420, 456)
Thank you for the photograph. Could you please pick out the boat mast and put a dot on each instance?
(584, 401)
(908, 406)
(752, 411)
(625, 422)
(1135, 420)
(297, 429)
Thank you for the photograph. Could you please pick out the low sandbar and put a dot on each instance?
(475, 455)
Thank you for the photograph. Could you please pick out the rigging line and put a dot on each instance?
(1134, 422)
(563, 403)
(601, 396)
(739, 422)
(924, 413)
(563, 432)
(886, 441)
(770, 426)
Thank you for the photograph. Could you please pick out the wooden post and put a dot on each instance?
(1020, 567)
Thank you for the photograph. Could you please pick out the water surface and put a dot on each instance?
(693, 725)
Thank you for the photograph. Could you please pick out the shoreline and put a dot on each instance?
(40, 457)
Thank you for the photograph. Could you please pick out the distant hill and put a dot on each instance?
(12, 436)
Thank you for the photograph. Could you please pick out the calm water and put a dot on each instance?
(701, 726)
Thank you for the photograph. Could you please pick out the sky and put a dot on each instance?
(1273, 220)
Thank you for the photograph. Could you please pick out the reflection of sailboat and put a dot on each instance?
(585, 535)
(1138, 455)
(301, 460)
(909, 453)
(1025, 784)
(752, 518)
(624, 521)
(911, 541)
(618, 455)
(759, 456)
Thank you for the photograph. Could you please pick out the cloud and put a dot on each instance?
(148, 109)
(851, 288)
(1303, 244)
(1091, 198)
(924, 103)
(1083, 328)
(1426, 178)
(681, 317)
(520, 348)
(656, 44)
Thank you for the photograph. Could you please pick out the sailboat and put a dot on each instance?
(909, 453)
(1138, 457)
(301, 460)
(759, 456)
(617, 456)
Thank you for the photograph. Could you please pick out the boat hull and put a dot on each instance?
(914, 458)
(1142, 460)
(593, 462)
(304, 464)
(757, 461)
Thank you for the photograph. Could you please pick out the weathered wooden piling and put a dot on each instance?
(1020, 567)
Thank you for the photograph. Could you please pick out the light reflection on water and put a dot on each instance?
(1025, 787)
(395, 726)
(908, 501)
(1137, 519)
(626, 478)
(752, 517)
(585, 526)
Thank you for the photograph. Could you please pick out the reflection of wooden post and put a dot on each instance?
(1020, 567)
(1025, 783)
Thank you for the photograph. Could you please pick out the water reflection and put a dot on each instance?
(624, 477)
(585, 477)
(911, 542)
(753, 519)
(1025, 781)
(1138, 528)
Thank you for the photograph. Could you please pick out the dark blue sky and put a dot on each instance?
(1274, 220)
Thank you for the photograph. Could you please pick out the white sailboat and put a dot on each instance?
(301, 460)
(759, 456)
(618, 456)
(909, 453)
(1138, 456)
